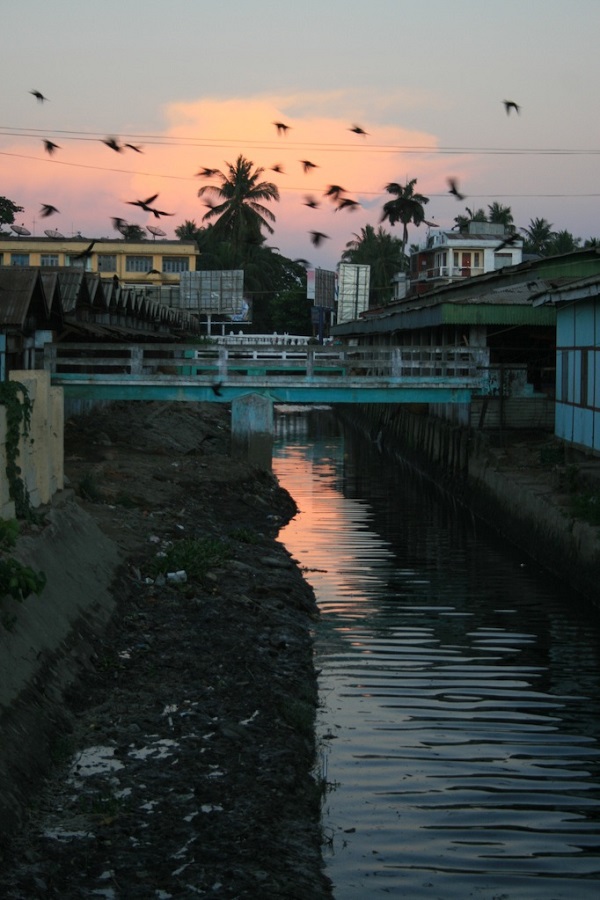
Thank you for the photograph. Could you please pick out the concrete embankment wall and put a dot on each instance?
(461, 463)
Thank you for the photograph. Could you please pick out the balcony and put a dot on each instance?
(449, 273)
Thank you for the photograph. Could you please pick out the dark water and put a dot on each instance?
(460, 689)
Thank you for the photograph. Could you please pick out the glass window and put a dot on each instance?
(502, 259)
(19, 259)
(107, 262)
(173, 264)
(48, 259)
(138, 263)
(79, 263)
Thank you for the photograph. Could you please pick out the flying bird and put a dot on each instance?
(38, 96)
(278, 168)
(134, 147)
(143, 204)
(357, 130)
(85, 254)
(508, 241)
(206, 173)
(454, 189)
(157, 213)
(50, 147)
(216, 389)
(119, 224)
(311, 202)
(113, 144)
(307, 165)
(347, 203)
(317, 237)
(152, 272)
(281, 127)
(47, 210)
(510, 104)
(334, 191)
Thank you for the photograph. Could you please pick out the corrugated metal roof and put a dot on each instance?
(20, 288)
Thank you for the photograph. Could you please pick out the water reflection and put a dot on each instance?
(460, 689)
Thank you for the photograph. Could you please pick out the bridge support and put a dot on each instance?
(252, 429)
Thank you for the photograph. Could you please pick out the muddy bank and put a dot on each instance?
(182, 762)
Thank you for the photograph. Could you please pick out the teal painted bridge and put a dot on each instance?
(287, 374)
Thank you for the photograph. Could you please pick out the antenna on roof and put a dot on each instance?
(20, 230)
(155, 231)
(53, 234)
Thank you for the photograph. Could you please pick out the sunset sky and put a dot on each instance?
(196, 84)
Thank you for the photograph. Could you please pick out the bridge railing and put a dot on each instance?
(231, 363)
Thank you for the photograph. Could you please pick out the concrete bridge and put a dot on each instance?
(282, 374)
(253, 379)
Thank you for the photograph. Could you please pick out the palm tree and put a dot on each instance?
(538, 236)
(407, 207)
(383, 253)
(563, 242)
(238, 207)
(472, 215)
(501, 215)
(188, 230)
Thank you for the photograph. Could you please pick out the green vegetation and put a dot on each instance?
(16, 580)
(15, 398)
(194, 556)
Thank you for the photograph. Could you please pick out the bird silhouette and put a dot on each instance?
(152, 272)
(454, 189)
(206, 173)
(334, 191)
(38, 96)
(85, 254)
(47, 210)
(278, 168)
(508, 241)
(317, 237)
(143, 204)
(281, 127)
(113, 144)
(307, 165)
(119, 224)
(358, 130)
(216, 389)
(510, 104)
(134, 147)
(50, 147)
(347, 203)
(311, 202)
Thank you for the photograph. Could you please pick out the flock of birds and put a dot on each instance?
(334, 192)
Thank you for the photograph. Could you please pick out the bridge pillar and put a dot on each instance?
(252, 429)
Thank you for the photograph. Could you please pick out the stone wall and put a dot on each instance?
(41, 453)
(523, 506)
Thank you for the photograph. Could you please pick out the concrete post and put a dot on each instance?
(252, 429)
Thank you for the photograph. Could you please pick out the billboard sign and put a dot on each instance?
(320, 287)
(214, 292)
(353, 283)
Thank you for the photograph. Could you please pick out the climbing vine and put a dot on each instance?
(14, 396)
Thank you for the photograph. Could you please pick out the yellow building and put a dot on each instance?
(142, 262)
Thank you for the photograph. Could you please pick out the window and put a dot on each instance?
(1, 259)
(502, 259)
(48, 259)
(138, 263)
(107, 262)
(19, 259)
(173, 264)
(79, 263)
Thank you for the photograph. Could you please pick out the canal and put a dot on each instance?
(459, 725)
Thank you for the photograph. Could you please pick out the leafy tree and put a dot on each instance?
(591, 243)
(133, 232)
(407, 207)
(563, 242)
(472, 215)
(238, 206)
(8, 210)
(538, 236)
(188, 231)
(383, 253)
(501, 215)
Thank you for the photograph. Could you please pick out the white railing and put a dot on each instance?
(350, 364)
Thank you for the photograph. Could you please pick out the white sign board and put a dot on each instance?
(353, 283)
(218, 292)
